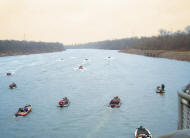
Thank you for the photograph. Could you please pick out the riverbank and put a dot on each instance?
(177, 55)
(26, 53)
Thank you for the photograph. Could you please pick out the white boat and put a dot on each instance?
(142, 133)
(22, 112)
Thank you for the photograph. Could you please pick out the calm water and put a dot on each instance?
(43, 79)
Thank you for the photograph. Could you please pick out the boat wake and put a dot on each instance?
(100, 124)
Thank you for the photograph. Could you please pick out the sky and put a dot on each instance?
(81, 21)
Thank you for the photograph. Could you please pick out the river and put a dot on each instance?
(43, 79)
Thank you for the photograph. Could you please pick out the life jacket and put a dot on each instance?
(60, 102)
(25, 109)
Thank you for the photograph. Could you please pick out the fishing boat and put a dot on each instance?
(24, 111)
(80, 67)
(12, 86)
(159, 90)
(9, 74)
(64, 103)
(142, 132)
(115, 102)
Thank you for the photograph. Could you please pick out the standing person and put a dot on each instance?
(163, 87)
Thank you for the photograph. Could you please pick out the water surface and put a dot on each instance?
(43, 79)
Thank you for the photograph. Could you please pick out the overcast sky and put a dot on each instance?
(79, 21)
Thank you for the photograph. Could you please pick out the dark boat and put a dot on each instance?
(80, 67)
(9, 74)
(24, 111)
(63, 103)
(12, 86)
(159, 90)
(115, 102)
(142, 133)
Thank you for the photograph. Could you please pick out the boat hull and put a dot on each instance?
(139, 134)
(65, 105)
(114, 105)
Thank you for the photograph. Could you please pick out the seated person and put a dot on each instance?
(116, 100)
(61, 102)
(25, 109)
(66, 100)
(21, 110)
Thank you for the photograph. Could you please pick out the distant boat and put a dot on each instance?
(115, 102)
(64, 103)
(80, 67)
(12, 86)
(9, 74)
(159, 90)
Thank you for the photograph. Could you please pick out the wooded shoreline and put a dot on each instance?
(14, 47)
(27, 53)
(177, 55)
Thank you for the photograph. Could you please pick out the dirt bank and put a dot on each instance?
(177, 55)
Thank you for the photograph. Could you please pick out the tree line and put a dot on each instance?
(166, 40)
(13, 46)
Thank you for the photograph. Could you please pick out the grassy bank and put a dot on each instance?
(177, 55)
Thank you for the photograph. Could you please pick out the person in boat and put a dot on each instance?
(61, 102)
(20, 110)
(159, 89)
(186, 89)
(13, 84)
(25, 109)
(163, 87)
(141, 128)
(80, 67)
(66, 100)
(115, 100)
(143, 131)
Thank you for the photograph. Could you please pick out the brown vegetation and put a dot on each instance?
(185, 55)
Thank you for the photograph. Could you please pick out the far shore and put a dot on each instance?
(177, 55)
(26, 53)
